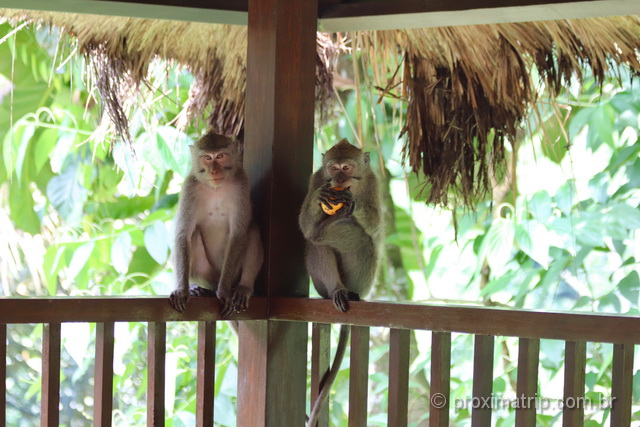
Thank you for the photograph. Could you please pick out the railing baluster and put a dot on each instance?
(3, 375)
(482, 380)
(575, 355)
(440, 379)
(527, 387)
(398, 377)
(50, 412)
(320, 363)
(358, 376)
(206, 373)
(157, 337)
(622, 384)
(103, 375)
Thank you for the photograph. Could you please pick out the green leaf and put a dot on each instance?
(53, 263)
(629, 287)
(121, 253)
(625, 216)
(498, 244)
(43, 147)
(565, 197)
(15, 148)
(554, 143)
(156, 240)
(22, 208)
(498, 284)
(122, 207)
(540, 206)
(173, 146)
(550, 277)
(79, 260)
(610, 303)
(601, 126)
(537, 248)
(67, 194)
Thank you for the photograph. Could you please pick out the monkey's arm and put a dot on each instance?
(311, 213)
(236, 247)
(185, 227)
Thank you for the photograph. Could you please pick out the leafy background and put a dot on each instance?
(560, 231)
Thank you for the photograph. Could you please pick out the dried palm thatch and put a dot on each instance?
(468, 88)
(120, 51)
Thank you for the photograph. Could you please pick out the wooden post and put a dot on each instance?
(279, 114)
(103, 375)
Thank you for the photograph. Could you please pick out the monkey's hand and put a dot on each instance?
(179, 299)
(341, 298)
(225, 297)
(330, 196)
(240, 299)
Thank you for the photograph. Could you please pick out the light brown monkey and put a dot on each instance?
(217, 245)
(342, 249)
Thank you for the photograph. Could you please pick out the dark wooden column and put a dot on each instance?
(278, 153)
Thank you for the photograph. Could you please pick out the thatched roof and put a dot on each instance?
(468, 87)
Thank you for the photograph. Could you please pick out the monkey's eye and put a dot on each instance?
(207, 157)
(346, 168)
(334, 168)
(220, 156)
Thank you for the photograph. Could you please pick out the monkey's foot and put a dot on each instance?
(342, 297)
(179, 299)
(240, 299)
(226, 304)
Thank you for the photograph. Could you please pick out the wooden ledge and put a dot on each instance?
(472, 320)
(591, 327)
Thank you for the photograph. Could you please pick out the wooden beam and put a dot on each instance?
(156, 354)
(206, 368)
(482, 381)
(575, 356)
(121, 309)
(469, 320)
(281, 75)
(210, 11)
(440, 379)
(50, 400)
(103, 375)
(391, 15)
(397, 412)
(527, 385)
(320, 364)
(359, 376)
(622, 384)
(3, 374)
(350, 16)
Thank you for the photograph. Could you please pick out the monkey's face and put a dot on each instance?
(214, 167)
(342, 173)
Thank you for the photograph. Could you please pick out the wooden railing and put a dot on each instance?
(484, 323)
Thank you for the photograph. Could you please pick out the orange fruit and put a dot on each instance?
(332, 209)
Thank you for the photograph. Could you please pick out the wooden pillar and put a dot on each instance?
(278, 152)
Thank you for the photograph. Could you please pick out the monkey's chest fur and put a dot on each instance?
(213, 221)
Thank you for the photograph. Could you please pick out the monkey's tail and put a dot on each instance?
(330, 376)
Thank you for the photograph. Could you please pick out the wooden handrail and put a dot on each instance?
(473, 320)
(589, 327)
(118, 309)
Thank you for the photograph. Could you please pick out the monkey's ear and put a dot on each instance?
(367, 158)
